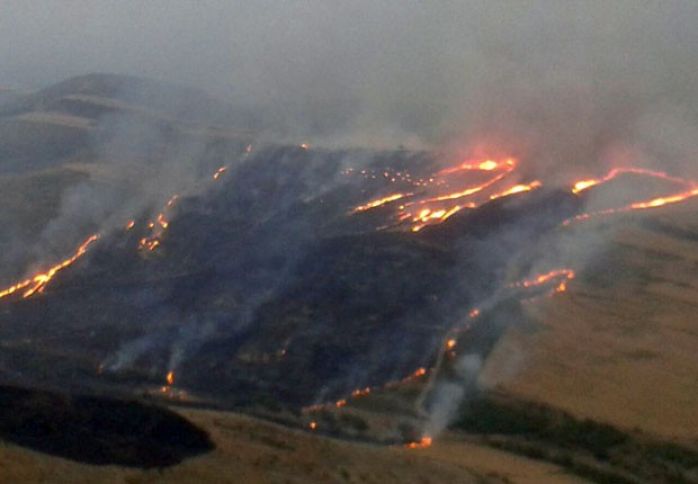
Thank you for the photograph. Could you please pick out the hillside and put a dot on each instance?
(619, 346)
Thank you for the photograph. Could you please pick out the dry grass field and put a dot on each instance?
(254, 451)
(620, 346)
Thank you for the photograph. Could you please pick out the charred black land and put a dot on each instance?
(99, 431)
(267, 289)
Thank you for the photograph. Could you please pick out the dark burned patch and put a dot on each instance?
(99, 431)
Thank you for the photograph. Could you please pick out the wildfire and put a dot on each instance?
(583, 185)
(219, 172)
(468, 191)
(690, 191)
(380, 201)
(661, 201)
(422, 443)
(149, 244)
(38, 282)
(363, 392)
(517, 189)
(438, 200)
(161, 223)
(563, 275)
(426, 216)
(643, 205)
(487, 165)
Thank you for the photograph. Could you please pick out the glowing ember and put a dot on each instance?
(219, 172)
(363, 392)
(661, 201)
(582, 185)
(487, 165)
(517, 189)
(468, 191)
(644, 205)
(380, 201)
(419, 372)
(423, 443)
(162, 221)
(360, 392)
(438, 201)
(161, 224)
(564, 275)
(38, 282)
(149, 244)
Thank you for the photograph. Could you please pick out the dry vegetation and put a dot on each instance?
(253, 451)
(619, 347)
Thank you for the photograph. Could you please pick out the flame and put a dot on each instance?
(450, 344)
(487, 165)
(304, 146)
(161, 223)
(313, 425)
(170, 378)
(661, 201)
(642, 205)
(474, 313)
(583, 185)
(564, 275)
(380, 201)
(517, 189)
(130, 224)
(363, 392)
(419, 372)
(437, 201)
(38, 282)
(468, 191)
(219, 172)
(422, 443)
(149, 244)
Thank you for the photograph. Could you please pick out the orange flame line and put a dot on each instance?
(40, 280)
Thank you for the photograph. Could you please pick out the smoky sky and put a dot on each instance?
(430, 71)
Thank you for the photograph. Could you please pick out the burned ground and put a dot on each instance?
(98, 431)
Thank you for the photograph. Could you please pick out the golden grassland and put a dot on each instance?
(254, 451)
(620, 346)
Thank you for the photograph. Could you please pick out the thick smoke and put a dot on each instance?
(564, 84)
(569, 88)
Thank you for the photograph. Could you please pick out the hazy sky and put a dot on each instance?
(422, 65)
